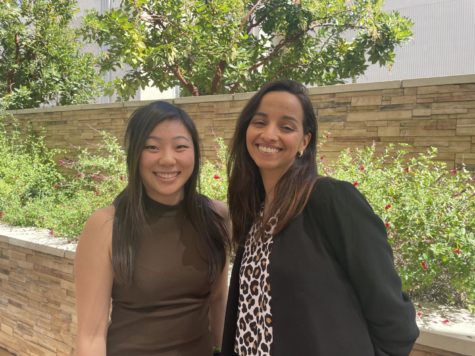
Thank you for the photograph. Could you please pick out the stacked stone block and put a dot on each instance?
(37, 301)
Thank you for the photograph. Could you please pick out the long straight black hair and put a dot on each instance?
(129, 218)
(246, 190)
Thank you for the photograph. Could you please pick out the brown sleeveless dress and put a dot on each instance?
(165, 310)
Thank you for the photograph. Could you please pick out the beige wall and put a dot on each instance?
(37, 302)
(436, 112)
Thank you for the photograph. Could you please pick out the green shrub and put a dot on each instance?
(37, 191)
(213, 177)
(27, 172)
(91, 181)
(428, 211)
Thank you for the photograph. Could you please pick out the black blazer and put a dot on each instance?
(335, 291)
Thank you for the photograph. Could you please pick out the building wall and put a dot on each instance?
(437, 112)
(443, 41)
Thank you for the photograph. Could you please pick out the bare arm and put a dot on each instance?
(93, 280)
(217, 306)
(219, 290)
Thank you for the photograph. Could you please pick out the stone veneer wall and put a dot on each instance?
(37, 302)
(437, 112)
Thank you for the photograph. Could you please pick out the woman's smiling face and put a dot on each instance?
(275, 133)
(167, 162)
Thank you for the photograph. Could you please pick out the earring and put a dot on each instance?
(299, 154)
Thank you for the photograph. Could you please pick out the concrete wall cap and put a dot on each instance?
(457, 79)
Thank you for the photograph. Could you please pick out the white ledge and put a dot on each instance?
(446, 328)
(37, 240)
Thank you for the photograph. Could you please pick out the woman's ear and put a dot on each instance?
(305, 141)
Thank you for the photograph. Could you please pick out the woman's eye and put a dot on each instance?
(152, 148)
(288, 128)
(258, 123)
(182, 147)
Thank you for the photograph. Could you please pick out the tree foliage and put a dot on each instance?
(40, 60)
(228, 46)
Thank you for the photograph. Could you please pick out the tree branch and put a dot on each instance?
(276, 49)
(248, 16)
(218, 75)
(193, 89)
(234, 87)
(11, 72)
(282, 44)
(154, 18)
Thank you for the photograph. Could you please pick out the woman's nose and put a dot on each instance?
(270, 133)
(167, 157)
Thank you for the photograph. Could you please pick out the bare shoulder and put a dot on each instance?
(99, 224)
(220, 207)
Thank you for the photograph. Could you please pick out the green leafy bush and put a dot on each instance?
(213, 177)
(428, 211)
(91, 181)
(35, 190)
(27, 172)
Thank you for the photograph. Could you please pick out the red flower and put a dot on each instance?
(424, 265)
(388, 206)
(322, 157)
(388, 225)
(457, 251)
(356, 183)
(419, 314)
(362, 168)
(453, 172)
(445, 321)
(2, 214)
(216, 177)
(51, 232)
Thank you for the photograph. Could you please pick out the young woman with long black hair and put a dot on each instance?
(158, 253)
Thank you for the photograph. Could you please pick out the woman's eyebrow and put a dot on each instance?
(260, 114)
(289, 118)
(180, 137)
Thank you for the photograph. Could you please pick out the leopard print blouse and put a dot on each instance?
(254, 323)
